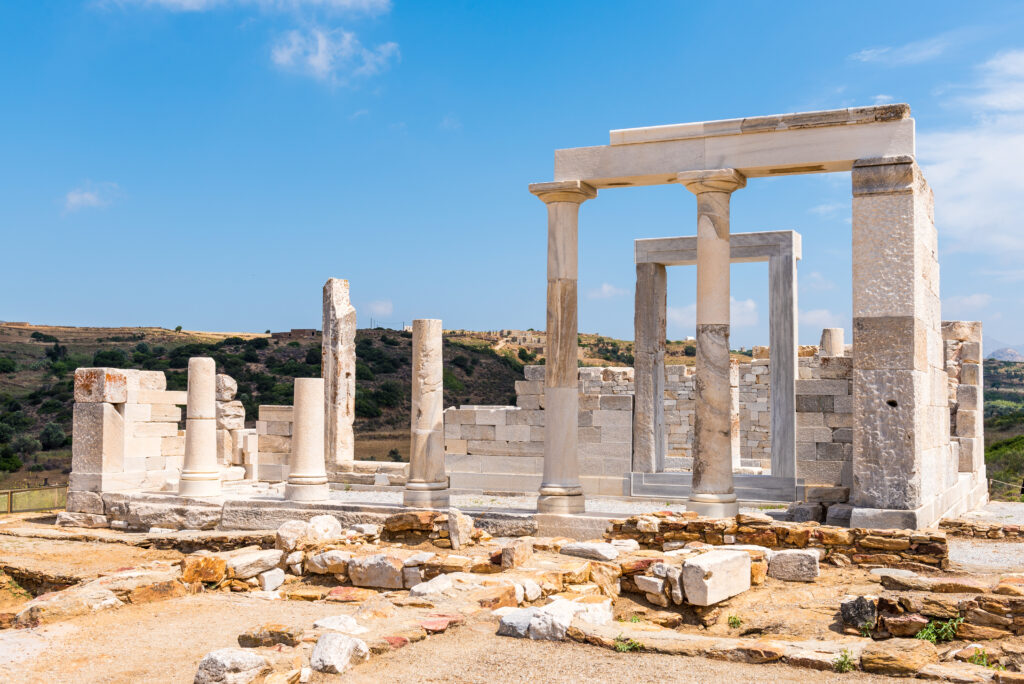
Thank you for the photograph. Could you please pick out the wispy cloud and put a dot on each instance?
(742, 314)
(90, 196)
(362, 6)
(358, 113)
(450, 122)
(606, 291)
(820, 318)
(829, 209)
(974, 169)
(965, 307)
(334, 55)
(912, 53)
(815, 280)
(381, 307)
(882, 99)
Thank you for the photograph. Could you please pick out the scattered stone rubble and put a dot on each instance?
(841, 546)
(973, 528)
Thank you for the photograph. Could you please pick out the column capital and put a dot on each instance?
(897, 175)
(712, 180)
(575, 191)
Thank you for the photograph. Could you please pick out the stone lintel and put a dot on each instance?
(962, 331)
(563, 191)
(743, 247)
(762, 124)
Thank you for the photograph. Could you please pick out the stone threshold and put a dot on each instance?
(809, 654)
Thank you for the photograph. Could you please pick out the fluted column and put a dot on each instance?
(307, 476)
(427, 485)
(560, 490)
(712, 491)
(200, 473)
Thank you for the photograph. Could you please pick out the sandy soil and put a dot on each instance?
(473, 654)
(73, 558)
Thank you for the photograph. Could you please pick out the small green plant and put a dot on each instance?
(625, 645)
(937, 631)
(980, 657)
(843, 662)
(635, 618)
(865, 629)
(735, 621)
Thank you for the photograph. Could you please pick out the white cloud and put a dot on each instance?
(965, 307)
(333, 55)
(816, 281)
(90, 196)
(381, 307)
(360, 6)
(828, 209)
(450, 122)
(742, 314)
(606, 291)
(820, 318)
(911, 53)
(882, 99)
(974, 169)
(358, 113)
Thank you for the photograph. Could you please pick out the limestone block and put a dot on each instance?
(494, 416)
(794, 565)
(971, 454)
(967, 398)
(164, 412)
(98, 439)
(378, 570)
(137, 412)
(274, 444)
(334, 652)
(968, 423)
(961, 330)
(84, 502)
(890, 342)
(172, 446)
(230, 414)
(970, 374)
(970, 352)
(100, 385)
(155, 430)
(812, 387)
(715, 576)
(534, 372)
(273, 412)
(512, 433)
(251, 563)
(225, 387)
(280, 428)
(179, 398)
(600, 551)
(455, 447)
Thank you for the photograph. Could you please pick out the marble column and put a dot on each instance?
(712, 491)
(200, 473)
(307, 477)
(649, 363)
(832, 342)
(339, 373)
(427, 485)
(560, 489)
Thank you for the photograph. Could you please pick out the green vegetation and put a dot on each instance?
(735, 622)
(865, 629)
(451, 382)
(625, 645)
(843, 662)
(938, 631)
(7, 365)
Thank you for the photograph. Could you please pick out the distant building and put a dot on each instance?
(295, 334)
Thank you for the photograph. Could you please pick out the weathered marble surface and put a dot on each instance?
(200, 474)
(307, 477)
(339, 371)
(427, 485)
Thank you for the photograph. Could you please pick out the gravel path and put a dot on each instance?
(474, 654)
(978, 555)
(1003, 512)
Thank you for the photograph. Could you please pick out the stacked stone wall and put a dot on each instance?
(274, 444)
(666, 531)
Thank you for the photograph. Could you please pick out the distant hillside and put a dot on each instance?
(1004, 426)
(1006, 354)
(37, 379)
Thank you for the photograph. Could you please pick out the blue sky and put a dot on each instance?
(210, 163)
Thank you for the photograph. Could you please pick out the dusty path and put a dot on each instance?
(473, 654)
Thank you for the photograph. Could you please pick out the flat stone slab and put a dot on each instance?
(715, 576)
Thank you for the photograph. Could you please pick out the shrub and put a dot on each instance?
(690, 350)
(7, 365)
(937, 631)
(43, 337)
(395, 455)
(142, 348)
(258, 343)
(16, 419)
(9, 462)
(51, 406)
(25, 445)
(313, 356)
(843, 662)
(52, 436)
(389, 394)
(363, 372)
(526, 355)
(624, 645)
(452, 382)
(6, 433)
(366, 406)
(112, 358)
(735, 622)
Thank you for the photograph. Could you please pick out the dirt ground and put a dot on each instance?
(473, 654)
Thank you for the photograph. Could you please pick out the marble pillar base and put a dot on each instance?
(200, 484)
(714, 509)
(559, 503)
(426, 498)
(307, 492)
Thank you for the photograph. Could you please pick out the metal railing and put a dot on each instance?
(33, 499)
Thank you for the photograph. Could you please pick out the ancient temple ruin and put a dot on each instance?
(885, 433)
